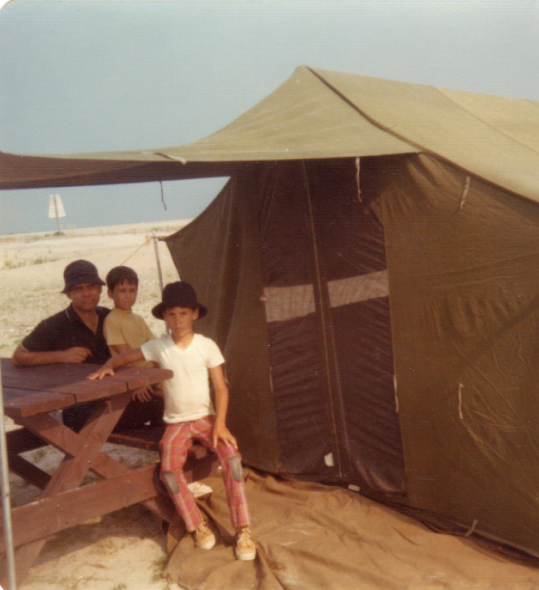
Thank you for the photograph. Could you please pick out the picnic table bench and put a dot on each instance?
(32, 397)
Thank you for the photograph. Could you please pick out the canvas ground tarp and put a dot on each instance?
(315, 537)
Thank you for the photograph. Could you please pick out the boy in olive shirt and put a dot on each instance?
(125, 331)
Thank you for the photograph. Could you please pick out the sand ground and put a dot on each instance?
(125, 550)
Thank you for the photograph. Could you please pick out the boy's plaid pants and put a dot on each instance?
(175, 443)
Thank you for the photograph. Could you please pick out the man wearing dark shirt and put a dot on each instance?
(75, 335)
(67, 334)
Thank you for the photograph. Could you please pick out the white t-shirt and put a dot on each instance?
(187, 393)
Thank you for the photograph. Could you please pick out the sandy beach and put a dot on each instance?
(125, 550)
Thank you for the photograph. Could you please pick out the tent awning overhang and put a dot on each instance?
(319, 114)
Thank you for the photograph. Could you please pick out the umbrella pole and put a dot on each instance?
(6, 504)
(57, 217)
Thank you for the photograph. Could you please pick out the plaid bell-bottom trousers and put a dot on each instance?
(177, 440)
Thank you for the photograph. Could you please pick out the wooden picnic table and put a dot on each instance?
(33, 396)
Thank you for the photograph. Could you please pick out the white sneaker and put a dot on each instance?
(203, 536)
(245, 546)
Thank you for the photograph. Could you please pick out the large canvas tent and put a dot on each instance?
(371, 273)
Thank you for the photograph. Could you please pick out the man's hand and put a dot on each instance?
(77, 354)
(221, 432)
(143, 394)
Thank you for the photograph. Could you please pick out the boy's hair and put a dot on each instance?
(121, 274)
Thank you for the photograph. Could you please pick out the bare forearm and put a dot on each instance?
(23, 358)
(124, 358)
(221, 405)
(119, 348)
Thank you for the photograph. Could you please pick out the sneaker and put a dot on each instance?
(245, 546)
(203, 536)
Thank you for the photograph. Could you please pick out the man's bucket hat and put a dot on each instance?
(179, 294)
(80, 271)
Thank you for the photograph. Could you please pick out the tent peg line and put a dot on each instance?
(145, 243)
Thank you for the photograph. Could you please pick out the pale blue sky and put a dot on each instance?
(105, 75)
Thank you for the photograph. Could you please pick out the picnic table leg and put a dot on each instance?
(74, 467)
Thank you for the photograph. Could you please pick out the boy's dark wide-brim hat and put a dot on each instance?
(79, 272)
(179, 294)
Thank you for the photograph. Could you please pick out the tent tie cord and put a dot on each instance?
(465, 192)
(162, 195)
(461, 387)
(147, 240)
(357, 181)
(471, 530)
(396, 396)
(448, 527)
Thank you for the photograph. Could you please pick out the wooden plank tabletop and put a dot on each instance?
(24, 402)
(32, 390)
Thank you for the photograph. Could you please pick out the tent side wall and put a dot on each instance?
(462, 260)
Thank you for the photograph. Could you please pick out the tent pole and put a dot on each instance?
(6, 504)
(156, 248)
(158, 260)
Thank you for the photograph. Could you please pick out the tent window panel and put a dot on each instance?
(358, 288)
(286, 303)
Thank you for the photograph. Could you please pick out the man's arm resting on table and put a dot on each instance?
(24, 358)
(119, 360)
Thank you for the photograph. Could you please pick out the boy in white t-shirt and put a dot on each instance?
(189, 412)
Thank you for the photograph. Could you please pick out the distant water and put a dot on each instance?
(26, 211)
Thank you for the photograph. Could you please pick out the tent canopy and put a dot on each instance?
(320, 114)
